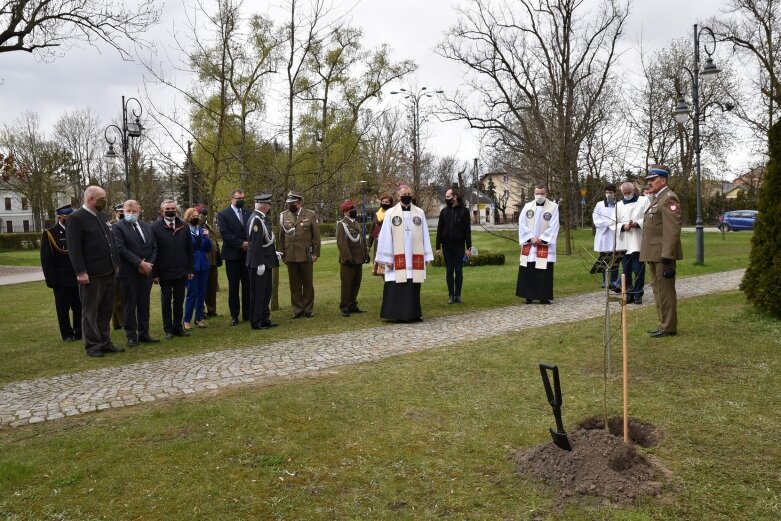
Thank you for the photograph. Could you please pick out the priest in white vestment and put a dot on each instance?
(630, 213)
(538, 228)
(604, 217)
(404, 247)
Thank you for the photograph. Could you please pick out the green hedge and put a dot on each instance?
(484, 258)
(327, 229)
(20, 241)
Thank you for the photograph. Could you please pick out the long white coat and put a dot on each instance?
(630, 240)
(604, 217)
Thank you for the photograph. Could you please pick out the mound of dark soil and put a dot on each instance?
(600, 464)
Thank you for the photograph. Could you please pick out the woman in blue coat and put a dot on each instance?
(196, 287)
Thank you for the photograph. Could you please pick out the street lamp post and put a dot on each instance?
(130, 129)
(363, 208)
(414, 98)
(681, 113)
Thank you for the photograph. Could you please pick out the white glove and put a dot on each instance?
(261, 270)
(279, 255)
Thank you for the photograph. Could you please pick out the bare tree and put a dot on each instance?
(79, 132)
(538, 69)
(42, 26)
(754, 29)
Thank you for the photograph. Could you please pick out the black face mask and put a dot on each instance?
(385, 206)
(449, 202)
(406, 199)
(240, 203)
(194, 222)
(292, 207)
(170, 215)
(353, 213)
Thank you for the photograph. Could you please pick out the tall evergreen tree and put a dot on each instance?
(762, 281)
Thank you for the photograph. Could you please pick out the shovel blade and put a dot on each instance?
(560, 440)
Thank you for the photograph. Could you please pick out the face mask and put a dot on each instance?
(353, 213)
(610, 197)
(170, 215)
(100, 204)
(406, 199)
(628, 197)
(540, 199)
(240, 203)
(449, 202)
(292, 207)
(131, 218)
(385, 206)
(194, 221)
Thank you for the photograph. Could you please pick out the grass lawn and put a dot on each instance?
(30, 345)
(426, 436)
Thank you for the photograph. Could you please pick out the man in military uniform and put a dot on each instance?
(353, 253)
(215, 261)
(299, 242)
(59, 274)
(261, 260)
(661, 247)
(118, 315)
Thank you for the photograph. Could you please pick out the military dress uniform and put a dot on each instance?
(118, 313)
(660, 248)
(353, 253)
(261, 260)
(59, 275)
(299, 240)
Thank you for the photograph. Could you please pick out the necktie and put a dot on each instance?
(241, 217)
(138, 231)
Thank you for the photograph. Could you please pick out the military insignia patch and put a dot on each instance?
(673, 207)
(529, 214)
(255, 228)
(396, 221)
(416, 221)
(547, 216)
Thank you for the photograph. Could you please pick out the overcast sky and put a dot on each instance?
(97, 78)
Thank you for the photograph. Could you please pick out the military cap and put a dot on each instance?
(292, 197)
(63, 210)
(119, 208)
(347, 205)
(657, 171)
(264, 198)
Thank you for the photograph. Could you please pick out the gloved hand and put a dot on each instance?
(261, 270)
(668, 271)
(366, 259)
(279, 255)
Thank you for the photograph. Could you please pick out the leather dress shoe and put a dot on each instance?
(132, 342)
(356, 310)
(298, 315)
(268, 324)
(345, 313)
(638, 301)
(529, 301)
(234, 321)
(148, 339)
(545, 302)
(309, 314)
(660, 334)
(77, 335)
(169, 335)
(458, 299)
(451, 299)
(111, 348)
(652, 331)
(69, 339)
(95, 352)
(181, 332)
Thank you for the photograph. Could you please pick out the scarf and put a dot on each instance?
(398, 227)
(380, 214)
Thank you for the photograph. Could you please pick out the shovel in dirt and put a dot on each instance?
(554, 399)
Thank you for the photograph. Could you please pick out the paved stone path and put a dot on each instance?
(19, 274)
(43, 399)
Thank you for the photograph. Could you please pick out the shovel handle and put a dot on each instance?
(554, 395)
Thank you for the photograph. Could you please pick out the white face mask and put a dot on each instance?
(539, 198)
(610, 197)
(628, 197)
(131, 217)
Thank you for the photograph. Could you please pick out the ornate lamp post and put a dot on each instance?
(681, 113)
(414, 98)
(130, 129)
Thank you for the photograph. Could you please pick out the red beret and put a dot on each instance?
(347, 205)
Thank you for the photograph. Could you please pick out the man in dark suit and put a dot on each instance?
(94, 258)
(116, 316)
(261, 260)
(137, 251)
(232, 222)
(174, 267)
(59, 274)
